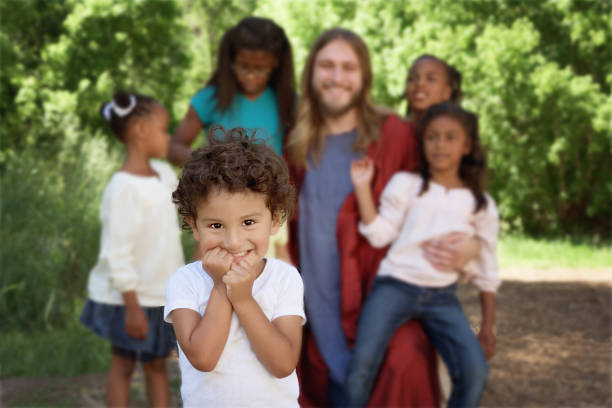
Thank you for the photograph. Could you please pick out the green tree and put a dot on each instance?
(56, 157)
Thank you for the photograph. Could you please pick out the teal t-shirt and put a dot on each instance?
(260, 114)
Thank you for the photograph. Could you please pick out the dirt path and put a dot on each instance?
(553, 339)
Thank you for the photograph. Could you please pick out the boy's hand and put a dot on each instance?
(362, 172)
(136, 325)
(216, 263)
(486, 337)
(239, 281)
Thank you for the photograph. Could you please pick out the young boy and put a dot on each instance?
(237, 316)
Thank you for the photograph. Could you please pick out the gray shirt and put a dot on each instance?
(325, 188)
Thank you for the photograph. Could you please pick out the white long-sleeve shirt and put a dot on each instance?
(408, 220)
(140, 246)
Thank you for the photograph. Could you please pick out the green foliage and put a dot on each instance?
(74, 56)
(68, 352)
(50, 232)
(55, 160)
(530, 253)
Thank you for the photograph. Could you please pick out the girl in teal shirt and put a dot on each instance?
(253, 87)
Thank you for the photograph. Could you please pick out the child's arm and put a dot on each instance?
(362, 173)
(202, 339)
(186, 132)
(136, 325)
(121, 214)
(487, 273)
(383, 226)
(486, 336)
(276, 344)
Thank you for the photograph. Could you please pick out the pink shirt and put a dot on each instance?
(407, 220)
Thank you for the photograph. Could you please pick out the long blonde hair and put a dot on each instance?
(307, 137)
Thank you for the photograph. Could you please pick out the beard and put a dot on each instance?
(337, 110)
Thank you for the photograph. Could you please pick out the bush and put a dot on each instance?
(50, 232)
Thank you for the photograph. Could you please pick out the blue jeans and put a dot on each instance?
(392, 303)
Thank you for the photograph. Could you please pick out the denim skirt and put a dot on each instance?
(108, 321)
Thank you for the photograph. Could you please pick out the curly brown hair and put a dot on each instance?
(234, 162)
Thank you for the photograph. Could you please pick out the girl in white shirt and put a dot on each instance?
(446, 197)
(140, 248)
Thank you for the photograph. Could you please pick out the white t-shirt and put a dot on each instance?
(408, 220)
(239, 379)
(140, 246)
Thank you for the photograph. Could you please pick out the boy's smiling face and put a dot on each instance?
(240, 223)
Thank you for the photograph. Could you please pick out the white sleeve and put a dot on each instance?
(121, 216)
(181, 293)
(486, 267)
(167, 174)
(395, 201)
(291, 297)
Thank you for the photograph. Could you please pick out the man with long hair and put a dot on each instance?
(337, 123)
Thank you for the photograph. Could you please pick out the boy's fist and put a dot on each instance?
(216, 263)
(239, 281)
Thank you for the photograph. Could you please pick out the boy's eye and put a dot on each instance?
(216, 225)
(249, 222)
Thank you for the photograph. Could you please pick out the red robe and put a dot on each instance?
(408, 375)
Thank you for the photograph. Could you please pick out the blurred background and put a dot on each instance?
(539, 74)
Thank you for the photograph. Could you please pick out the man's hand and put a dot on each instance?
(451, 252)
(239, 281)
(216, 263)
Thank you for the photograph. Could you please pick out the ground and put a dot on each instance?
(553, 348)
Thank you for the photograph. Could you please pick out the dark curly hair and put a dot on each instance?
(234, 162)
(473, 165)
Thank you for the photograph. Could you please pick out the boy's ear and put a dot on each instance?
(194, 227)
(277, 221)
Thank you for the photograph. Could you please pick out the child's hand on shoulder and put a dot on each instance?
(362, 172)
(216, 263)
(239, 281)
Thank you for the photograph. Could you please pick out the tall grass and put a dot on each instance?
(50, 232)
(69, 351)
